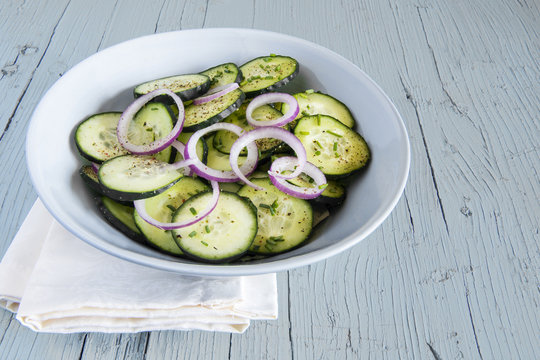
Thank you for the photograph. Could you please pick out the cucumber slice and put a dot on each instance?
(120, 216)
(187, 87)
(218, 160)
(267, 73)
(131, 177)
(333, 147)
(333, 194)
(224, 235)
(202, 148)
(91, 179)
(223, 74)
(95, 137)
(203, 115)
(161, 208)
(285, 222)
(157, 120)
(223, 140)
(229, 186)
(313, 103)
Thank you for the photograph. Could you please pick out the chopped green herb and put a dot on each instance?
(333, 133)
(267, 59)
(261, 66)
(193, 211)
(323, 186)
(243, 83)
(336, 154)
(268, 247)
(277, 238)
(318, 143)
(335, 146)
(304, 132)
(192, 234)
(278, 67)
(318, 119)
(207, 229)
(269, 77)
(204, 243)
(305, 113)
(172, 208)
(272, 55)
(272, 211)
(303, 95)
(317, 153)
(227, 71)
(310, 91)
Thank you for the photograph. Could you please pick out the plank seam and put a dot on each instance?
(146, 344)
(435, 354)
(205, 13)
(82, 347)
(289, 311)
(159, 16)
(472, 322)
(32, 75)
(415, 106)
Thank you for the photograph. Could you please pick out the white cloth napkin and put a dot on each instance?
(57, 283)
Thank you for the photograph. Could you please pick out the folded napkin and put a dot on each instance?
(57, 283)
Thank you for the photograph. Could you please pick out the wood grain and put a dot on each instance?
(453, 272)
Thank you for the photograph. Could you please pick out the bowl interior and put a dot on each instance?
(104, 82)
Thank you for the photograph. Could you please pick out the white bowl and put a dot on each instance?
(104, 82)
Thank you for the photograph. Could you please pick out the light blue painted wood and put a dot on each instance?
(453, 273)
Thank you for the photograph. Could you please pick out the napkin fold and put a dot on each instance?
(57, 283)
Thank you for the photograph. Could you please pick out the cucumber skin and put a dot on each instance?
(120, 226)
(82, 153)
(231, 258)
(217, 118)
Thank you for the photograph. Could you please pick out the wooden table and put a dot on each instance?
(453, 273)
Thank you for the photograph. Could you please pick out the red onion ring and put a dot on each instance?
(288, 163)
(220, 175)
(270, 98)
(95, 167)
(215, 93)
(267, 132)
(141, 209)
(180, 147)
(158, 145)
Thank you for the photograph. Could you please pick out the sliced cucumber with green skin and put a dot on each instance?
(313, 103)
(158, 120)
(161, 208)
(187, 87)
(218, 160)
(333, 194)
(333, 147)
(90, 178)
(96, 139)
(224, 235)
(202, 148)
(132, 177)
(285, 222)
(223, 74)
(223, 139)
(229, 186)
(203, 115)
(120, 216)
(267, 73)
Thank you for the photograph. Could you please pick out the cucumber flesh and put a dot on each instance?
(333, 147)
(203, 115)
(223, 74)
(187, 87)
(120, 216)
(313, 103)
(161, 207)
(267, 73)
(131, 177)
(285, 222)
(223, 140)
(225, 234)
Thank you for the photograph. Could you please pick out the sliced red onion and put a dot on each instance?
(133, 108)
(190, 153)
(215, 93)
(180, 147)
(95, 167)
(289, 163)
(267, 132)
(270, 98)
(141, 209)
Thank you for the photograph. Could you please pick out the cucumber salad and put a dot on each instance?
(219, 166)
